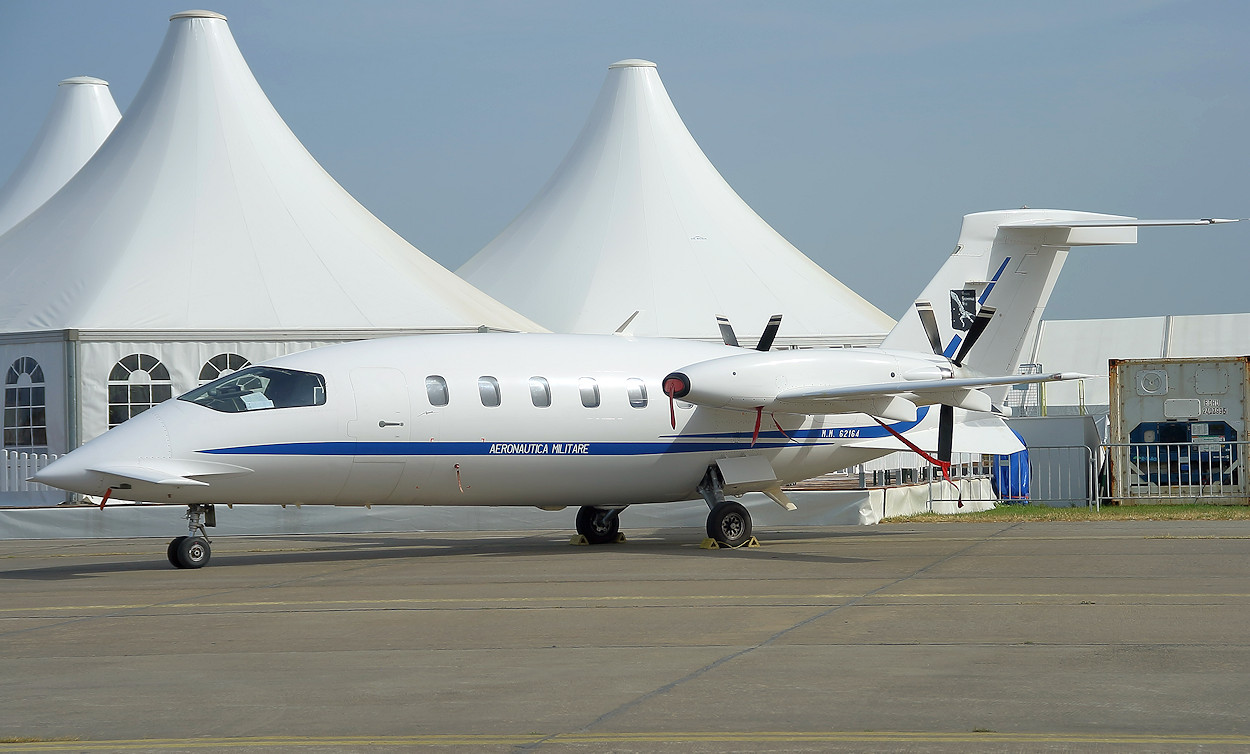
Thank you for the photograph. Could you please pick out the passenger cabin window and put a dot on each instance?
(540, 392)
(258, 388)
(589, 390)
(637, 390)
(488, 388)
(436, 390)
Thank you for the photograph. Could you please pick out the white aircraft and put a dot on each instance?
(601, 422)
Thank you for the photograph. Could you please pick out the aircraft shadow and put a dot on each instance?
(308, 549)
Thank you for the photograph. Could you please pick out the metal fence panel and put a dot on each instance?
(1185, 472)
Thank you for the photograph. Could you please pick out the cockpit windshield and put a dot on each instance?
(257, 388)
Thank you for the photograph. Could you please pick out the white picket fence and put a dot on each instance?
(15, 490)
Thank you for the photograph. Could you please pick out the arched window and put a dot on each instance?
(25, 414)
(138, 382)
(221, 365)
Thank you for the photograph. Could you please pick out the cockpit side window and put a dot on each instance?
(258, 388)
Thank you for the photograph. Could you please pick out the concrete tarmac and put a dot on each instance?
(922, 637)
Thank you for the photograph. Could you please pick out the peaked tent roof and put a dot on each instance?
(203, 211)
(637, 218)
(81, 118)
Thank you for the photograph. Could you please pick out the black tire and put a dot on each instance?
(729, 524)
(193, 552)
(598, 525)
(172, 551)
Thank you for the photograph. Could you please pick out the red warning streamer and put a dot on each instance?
(945, 466)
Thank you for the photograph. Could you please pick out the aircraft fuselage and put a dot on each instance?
(534, 420)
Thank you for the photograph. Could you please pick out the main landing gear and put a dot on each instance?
(729, 524)
(728, 521)
(193, 551)
(599, 525)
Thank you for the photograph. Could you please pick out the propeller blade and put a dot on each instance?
(984, 315)
(770, 333)
(929, 320)
(726, 330)
(946, 433)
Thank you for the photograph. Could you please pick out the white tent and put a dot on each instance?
(201, 236)
(637, 218)
(202, 210)
(81, 118)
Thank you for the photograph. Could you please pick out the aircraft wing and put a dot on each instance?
(836, 381)
(898, 400)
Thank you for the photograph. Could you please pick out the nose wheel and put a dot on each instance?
(193, 551)
(189, 552)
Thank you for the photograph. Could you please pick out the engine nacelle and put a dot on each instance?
(752, 380)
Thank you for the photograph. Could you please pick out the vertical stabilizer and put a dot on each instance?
(1009, 261)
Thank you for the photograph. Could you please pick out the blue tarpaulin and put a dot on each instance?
(1010, 475)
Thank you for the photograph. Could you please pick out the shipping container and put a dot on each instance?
(1178, 430)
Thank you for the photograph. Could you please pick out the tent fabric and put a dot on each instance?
(202, 210)
(637, 218)
(82, 116)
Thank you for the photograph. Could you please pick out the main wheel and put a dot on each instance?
(598, 525)
(192, 552)
(172, 551)
(729, 524)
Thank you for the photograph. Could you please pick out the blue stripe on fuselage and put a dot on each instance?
(701, 443)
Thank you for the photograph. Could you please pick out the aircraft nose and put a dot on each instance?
(68, 473)
(142, 437)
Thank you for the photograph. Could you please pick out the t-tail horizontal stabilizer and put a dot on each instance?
(1008, 260)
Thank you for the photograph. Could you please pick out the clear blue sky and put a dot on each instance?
(861, 131)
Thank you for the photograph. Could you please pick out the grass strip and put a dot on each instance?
(1016, 513)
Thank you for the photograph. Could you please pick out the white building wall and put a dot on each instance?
(1087, 345)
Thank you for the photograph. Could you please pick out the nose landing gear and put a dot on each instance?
(193, 551)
